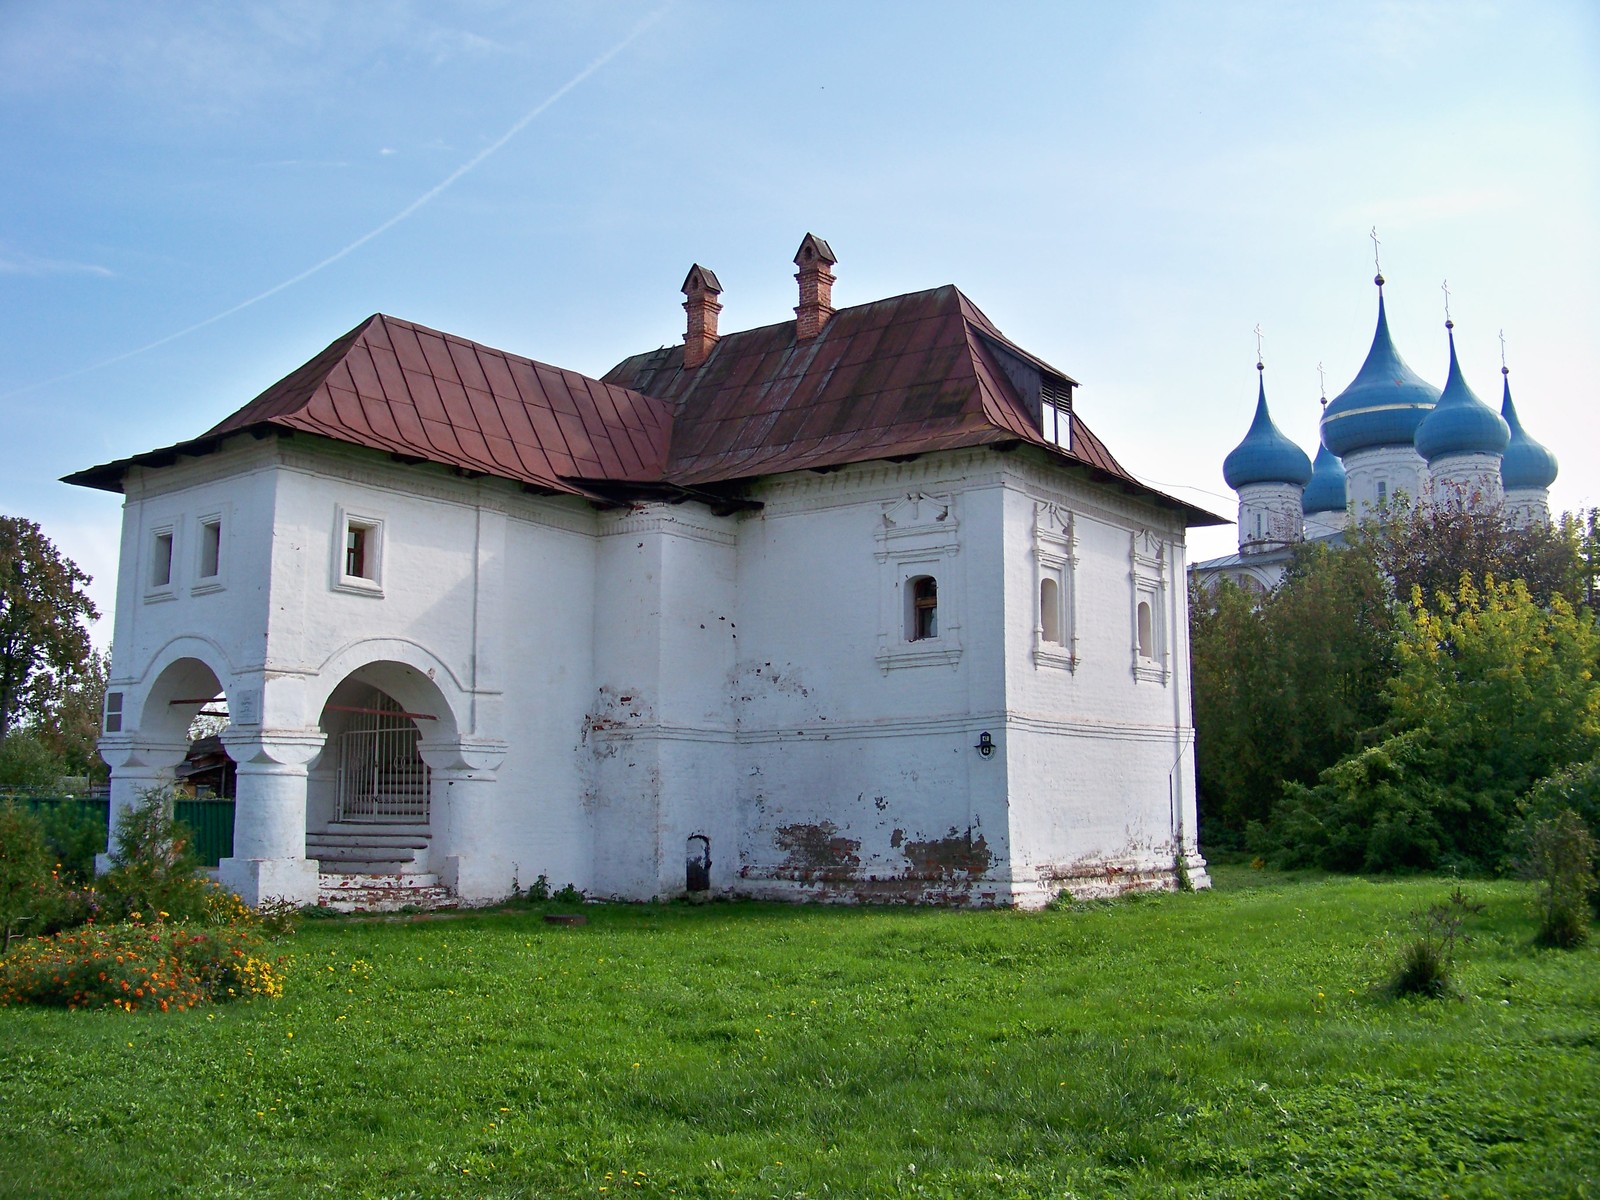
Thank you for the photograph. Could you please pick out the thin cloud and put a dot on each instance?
(422, 200)
(17, 262)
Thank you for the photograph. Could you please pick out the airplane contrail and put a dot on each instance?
(405, 212)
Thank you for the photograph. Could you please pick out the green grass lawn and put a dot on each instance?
(1223, 1044)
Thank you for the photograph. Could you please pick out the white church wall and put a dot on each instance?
(659, 735)
(857, 773)
(1374, 478)
(1092, 742)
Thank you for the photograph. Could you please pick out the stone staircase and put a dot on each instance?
(375, 868)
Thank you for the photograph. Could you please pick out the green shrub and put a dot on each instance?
(1576, 789)
(1376, 810)
(1559, 855)
(1426, 963)
(75, 833)
(135, 966)
(156, 870)
(27, 875)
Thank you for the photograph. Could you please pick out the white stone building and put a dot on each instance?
(853, 606)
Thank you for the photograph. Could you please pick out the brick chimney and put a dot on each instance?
(816, 287)
(702, 289)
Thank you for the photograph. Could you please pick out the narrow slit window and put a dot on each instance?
(113, 712)
(1146, 632)
(1050, 611)
(924, 622)
(1383, 492)
(161, 560)
(210, 548)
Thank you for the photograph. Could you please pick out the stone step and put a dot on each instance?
(368, 850)
(371, 837)
(367, 866)
(382, 899)
(399, 880)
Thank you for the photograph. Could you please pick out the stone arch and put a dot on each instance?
(184, 669)
(416, 678)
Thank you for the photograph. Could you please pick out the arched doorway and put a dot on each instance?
(380, 777)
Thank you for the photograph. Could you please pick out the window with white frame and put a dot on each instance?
(209, 562)
(161, 563)
(358, 553)
(1150, 581)
(1055, 641)
(113, 723)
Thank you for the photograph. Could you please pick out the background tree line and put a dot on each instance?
(1392, 704)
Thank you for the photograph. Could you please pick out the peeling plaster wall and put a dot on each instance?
(857, 778)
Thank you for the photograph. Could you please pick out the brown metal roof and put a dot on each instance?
(910, 375)
(421, 394)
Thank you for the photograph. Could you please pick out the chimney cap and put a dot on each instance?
(701, 279)
(812, 249)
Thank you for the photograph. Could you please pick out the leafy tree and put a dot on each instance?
(43, 611)
(1286, 683)
(1431, 547)
(1491, 693)
(68, 706)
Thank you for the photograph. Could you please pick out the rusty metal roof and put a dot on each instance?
(909, 375)
(424, 395)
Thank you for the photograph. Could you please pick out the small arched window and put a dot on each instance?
(922, 621)
(1146, 633)
(1050, 610)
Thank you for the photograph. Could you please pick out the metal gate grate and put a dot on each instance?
(382, 777)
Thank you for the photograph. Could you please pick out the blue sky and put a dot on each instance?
(199, 197)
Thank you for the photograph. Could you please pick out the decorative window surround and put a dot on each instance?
(1055, 555)
(358, 553)
(1148, 576)
(917, 536)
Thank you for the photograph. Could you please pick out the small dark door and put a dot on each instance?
(697, 864)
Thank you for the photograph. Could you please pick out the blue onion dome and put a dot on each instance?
(1460, 423)
(1385, 402)
(1265, 455)
(1526, 464)
(1325, 492)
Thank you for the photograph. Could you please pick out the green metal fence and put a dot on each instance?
(211, 821)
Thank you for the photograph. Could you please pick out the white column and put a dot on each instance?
(136, 768)
(463, 817)
(269, 825)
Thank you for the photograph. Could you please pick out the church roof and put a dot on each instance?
(427, 396)
(1384, 403)
(1460, 423)
(1326, 492)
(909, 375)
(1526, 464)
(1266, 455)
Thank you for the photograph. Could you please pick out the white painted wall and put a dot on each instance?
(608, 685)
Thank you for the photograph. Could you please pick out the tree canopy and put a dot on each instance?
(43, 619)
(1346, 722)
